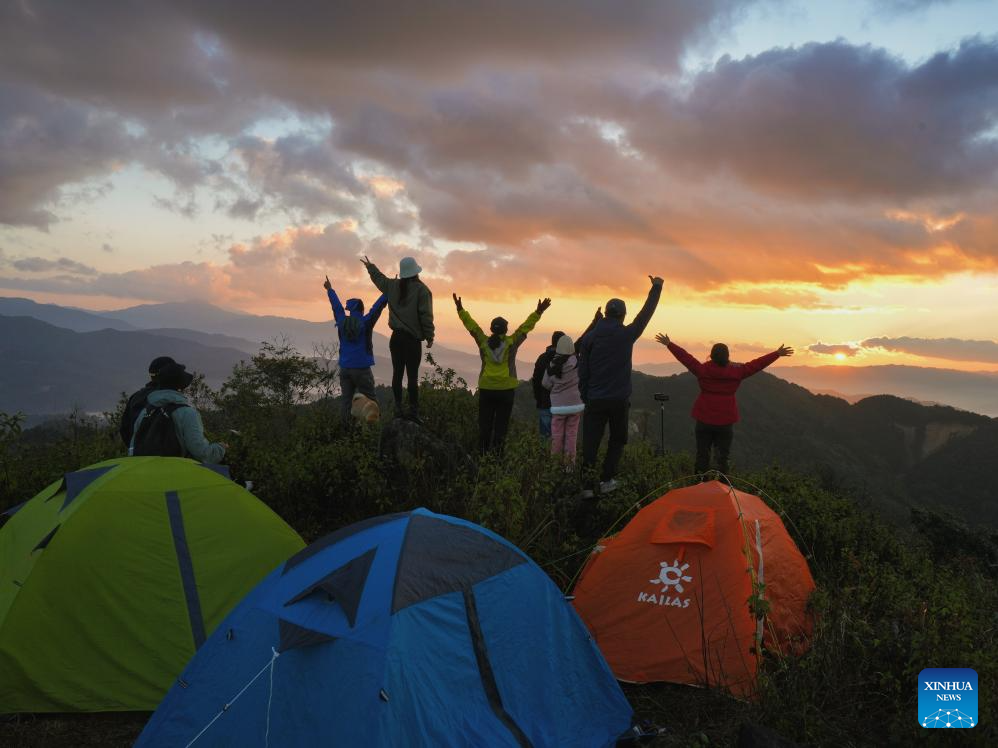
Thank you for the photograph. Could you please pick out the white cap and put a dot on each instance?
(409, 268)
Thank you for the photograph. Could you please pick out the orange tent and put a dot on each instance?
(674, 595)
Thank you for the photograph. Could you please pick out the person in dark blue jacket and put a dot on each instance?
(605, 383)
(356, 332)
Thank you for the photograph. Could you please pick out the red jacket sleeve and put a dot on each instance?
(686, 360)
(757, 365)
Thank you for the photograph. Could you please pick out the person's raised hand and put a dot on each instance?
(785, 350)
(457, 302)
(542, 305)
(599, 314)
(663, 339)
(366, 261)
(655, 280)
(429, 344)
(327, 285)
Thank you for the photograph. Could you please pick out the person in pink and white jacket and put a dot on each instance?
(562, 378)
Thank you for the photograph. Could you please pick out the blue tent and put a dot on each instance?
(405, 629)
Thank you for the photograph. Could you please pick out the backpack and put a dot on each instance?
(133, 409)
(156, 436)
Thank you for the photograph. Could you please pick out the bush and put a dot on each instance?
(889, 603)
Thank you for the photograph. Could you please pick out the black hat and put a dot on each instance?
(174, 376)
(158, 363)
(499, 326)
(555, 336)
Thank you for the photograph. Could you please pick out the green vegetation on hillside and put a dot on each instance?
(889, 453)
(889, 603)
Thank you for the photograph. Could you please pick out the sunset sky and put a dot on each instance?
(819, 174)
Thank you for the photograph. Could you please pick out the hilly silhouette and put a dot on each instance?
(214, 326)
(211, 325)
(49, 370)
(306, 336)
(77, 320)
(976, 391)
(889, 452)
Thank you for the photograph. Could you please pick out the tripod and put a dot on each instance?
(662, 400)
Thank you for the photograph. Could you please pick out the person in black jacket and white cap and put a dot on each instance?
(605, 384)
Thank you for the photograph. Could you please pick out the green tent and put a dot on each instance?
(112, 577)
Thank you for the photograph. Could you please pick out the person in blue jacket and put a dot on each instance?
(356, 331)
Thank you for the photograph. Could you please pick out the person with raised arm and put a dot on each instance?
(605, 384)
(716, 409)
(542, 396)
(497, 381)
(356, 355)
(561, 379)
(410, 317)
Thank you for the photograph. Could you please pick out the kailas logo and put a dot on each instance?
(947, 697)
(671, 577)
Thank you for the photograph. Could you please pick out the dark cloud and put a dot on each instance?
(244, 207)
(394, 216)
(837, 349)
(182, 203)
(441, 35)
(44, 265)
(952, 349)
(47, 142)
(834, 120)
(143, 58)
(553, 137)
(507, 131)
(900, 7)
(300, 173)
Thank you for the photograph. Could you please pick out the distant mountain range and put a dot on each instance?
(890, 452)
(895, 452)
(46, 369)
(973, 391)
(213, 326)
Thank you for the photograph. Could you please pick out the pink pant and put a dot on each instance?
(564, 434)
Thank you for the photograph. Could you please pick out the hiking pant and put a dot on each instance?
(353, 381)
(406, 353)
(564, 434)
(599, 415)
(544, 422)
(494, 410)
(718, 437)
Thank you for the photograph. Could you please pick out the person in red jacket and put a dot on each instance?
(715, 409)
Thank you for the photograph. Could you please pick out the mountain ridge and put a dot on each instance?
(894, 452)
(972, 391)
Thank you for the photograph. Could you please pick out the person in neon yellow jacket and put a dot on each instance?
(497, 381)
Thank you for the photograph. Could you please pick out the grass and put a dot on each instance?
(890, 601)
